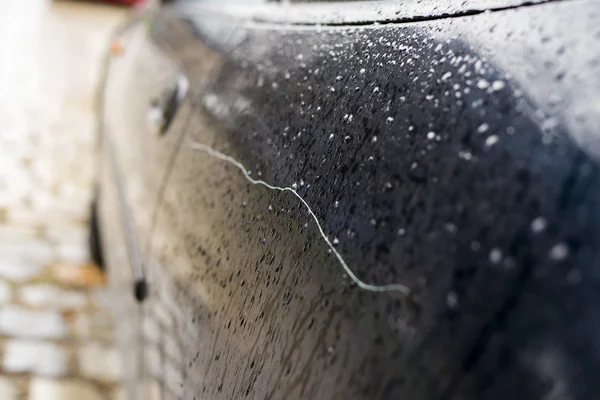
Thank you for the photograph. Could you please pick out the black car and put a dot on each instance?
(354, 200)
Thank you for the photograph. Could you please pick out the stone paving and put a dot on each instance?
(56, 336)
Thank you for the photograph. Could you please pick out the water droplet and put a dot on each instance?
(330, 349)
(559, 251)
(538, 224)
(495, 256)
(477, 103)
(483, 84)
(300, 56)
(374, 139)
(401, 231)
(497, 85)
(430, 135)
(483, 128)
(452, 300)
(465, 155)
(373, 221)
(491, 140)
(450, 227)
(390, 119)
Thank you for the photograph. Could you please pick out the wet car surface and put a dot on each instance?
(352, 210)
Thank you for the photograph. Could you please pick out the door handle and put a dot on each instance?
(163, 109)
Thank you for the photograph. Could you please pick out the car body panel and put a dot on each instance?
(453, 156)
(121, 279)
(135, 162)
(127, 2)
(331, 13)
(135, 78)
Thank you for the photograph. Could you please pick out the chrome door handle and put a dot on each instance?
(162, 109)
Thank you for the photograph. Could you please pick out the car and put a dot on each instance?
(353, 200)
(126, 2)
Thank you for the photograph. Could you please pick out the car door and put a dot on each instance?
(142, 125)
(380, 200)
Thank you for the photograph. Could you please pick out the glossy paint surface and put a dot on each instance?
(453, 156)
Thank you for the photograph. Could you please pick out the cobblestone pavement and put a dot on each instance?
(56, 337)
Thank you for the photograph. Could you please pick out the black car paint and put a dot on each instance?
(480, 201)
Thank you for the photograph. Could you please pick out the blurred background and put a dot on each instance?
(56, 336)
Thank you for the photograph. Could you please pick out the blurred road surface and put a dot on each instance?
(56, 339)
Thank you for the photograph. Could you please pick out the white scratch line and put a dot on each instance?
(394, 287)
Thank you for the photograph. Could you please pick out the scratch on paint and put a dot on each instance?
(394, 287)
